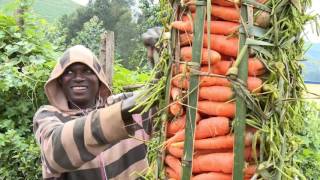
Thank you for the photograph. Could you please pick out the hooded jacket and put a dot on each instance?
(89, 144)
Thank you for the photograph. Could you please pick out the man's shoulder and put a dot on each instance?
(46, 111)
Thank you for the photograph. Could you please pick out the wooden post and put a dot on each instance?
(106, 56)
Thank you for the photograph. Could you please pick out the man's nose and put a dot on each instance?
(79, 76)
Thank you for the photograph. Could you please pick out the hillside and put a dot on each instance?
(312, 64)
(51, 9)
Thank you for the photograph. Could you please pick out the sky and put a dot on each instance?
(82, 2)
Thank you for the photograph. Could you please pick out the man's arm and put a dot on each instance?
(66, 143)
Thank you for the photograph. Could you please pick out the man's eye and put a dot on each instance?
(89, 71)
(69, 72)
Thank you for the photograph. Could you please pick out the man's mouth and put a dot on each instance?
(79, 88)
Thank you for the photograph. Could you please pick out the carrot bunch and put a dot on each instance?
(214, 140)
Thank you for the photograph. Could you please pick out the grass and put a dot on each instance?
(50, 9)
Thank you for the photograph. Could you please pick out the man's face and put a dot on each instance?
(80, 85)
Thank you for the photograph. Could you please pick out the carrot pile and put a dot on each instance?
(214, 140)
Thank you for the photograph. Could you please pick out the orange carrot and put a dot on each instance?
(176, 108)
(175, 93)
(170, 173)
(217, 108)
(225, 13)
(216, 162)
(184, 26)
(175, 151)
(212, 176)
(181, 81)
(211, 127)
(186, 55)
(226, 3)
(185, 39)
(216, 93)
(179, 124)
(250, 170)
(220, 67)
(219, 142)
(254, 84)
(214, 81)
(255, 67)
(220, 43)
(173, 163)
(216, 27)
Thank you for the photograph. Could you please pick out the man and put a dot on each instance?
(83, 137)
(150, 38)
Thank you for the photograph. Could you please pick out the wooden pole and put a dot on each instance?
(106, 56)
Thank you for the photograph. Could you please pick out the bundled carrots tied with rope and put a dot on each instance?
(214, 140)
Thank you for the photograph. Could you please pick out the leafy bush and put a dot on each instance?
(26, 58)
(308, 157)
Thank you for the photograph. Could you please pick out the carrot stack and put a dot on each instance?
(214, 141)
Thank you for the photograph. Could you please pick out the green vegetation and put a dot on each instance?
(49, 9)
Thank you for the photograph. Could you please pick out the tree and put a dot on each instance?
(89, 36)
(115, 15)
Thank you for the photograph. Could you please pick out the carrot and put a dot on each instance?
(225, 13)
(179, 124)
(214, 81)
(227, 3)
(219, 142)
(186, 55)
(216, 162)
(254, 84)
(170, 173)
(176, 108)
(250, 170)
(255, 67)
(216, 27)
(210, 127)
(175, 151)
(212, 176)
(174, 163)
(185, 39)
(216, 93)
(175, 93)
(181, 81)
(184, 26)
(220, 43)
(217, 108)
(220, 67)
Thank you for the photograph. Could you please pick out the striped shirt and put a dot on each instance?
(91, 146)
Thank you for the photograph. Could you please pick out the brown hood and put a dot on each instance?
(73, 55)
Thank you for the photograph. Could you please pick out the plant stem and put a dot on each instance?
(193, 95)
